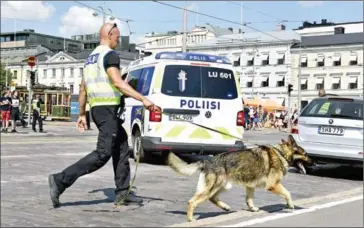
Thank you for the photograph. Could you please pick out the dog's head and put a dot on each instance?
(295, 154)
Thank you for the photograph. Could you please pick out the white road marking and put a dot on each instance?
(298, 212)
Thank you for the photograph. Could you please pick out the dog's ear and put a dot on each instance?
(284, 141)
(291, 141)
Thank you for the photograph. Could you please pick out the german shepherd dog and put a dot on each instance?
(260, 167)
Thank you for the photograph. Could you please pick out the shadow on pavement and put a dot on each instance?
(201, 215)
(335, 171)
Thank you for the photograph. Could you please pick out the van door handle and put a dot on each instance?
(181, 111)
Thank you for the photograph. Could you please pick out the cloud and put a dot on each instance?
(80, 21)
(309, 4)
(26, 10)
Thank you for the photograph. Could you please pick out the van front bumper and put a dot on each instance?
(155, 144)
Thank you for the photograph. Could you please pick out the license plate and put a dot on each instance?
(185, 118)
(331, 130)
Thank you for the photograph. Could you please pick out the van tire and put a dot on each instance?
(138, 149)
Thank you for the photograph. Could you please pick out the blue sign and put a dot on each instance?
(192, 57)
(199, 104)
(75, 108)
(92, 59)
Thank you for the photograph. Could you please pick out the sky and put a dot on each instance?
(66, 18)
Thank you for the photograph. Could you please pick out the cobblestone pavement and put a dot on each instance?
(27, 159)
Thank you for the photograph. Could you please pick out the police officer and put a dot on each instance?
(36, 114)
(103, 87)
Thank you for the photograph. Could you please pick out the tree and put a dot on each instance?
(3, 74)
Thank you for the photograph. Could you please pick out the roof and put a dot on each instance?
(328, 25)
(333, 39)
(255, 37)
(18, 33)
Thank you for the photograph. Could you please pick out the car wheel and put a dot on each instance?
(138, 149)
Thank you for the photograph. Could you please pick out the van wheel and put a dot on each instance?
(137, 147)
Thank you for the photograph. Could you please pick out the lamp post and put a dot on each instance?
(299, 79)
(95, 14)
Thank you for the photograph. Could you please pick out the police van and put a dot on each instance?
(196, 94)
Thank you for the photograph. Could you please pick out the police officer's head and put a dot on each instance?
(110, 35)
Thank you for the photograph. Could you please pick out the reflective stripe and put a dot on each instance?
(174, 132)
(200, 133)
(104, 95)
(104, 101)
(224, 130)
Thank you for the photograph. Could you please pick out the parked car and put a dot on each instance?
(330, 129)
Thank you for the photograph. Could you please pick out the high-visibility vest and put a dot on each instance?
(35, 105)
(99, 88)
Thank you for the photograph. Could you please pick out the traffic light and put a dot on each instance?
(32, 78)
(290, 88)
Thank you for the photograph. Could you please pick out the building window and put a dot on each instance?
(281, 61)
(266, 61)
(71, 72)
(53, 72)
(249, 84)
(304, 62)
(320, 85)
(71, 88)
(15, 76)
(353, 62)
(250, 62)
(280, 83)
(44, 73)
(62, 72)
(337, 62)
(336, 84)
(353, 83)
(304, 86)
(265, 83)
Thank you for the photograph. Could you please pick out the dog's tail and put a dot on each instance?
(182, 167)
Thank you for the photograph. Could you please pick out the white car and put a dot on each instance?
(330, 129)
(192, 90)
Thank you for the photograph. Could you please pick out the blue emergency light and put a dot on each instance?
(192, 57)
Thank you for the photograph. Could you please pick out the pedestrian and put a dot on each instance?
(36, 114)
(15, 111)
(104, 88)
(321, 93)
(5, 103)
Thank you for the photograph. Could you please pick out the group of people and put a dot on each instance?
(13, 109)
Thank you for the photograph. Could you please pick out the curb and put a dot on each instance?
(245, 213)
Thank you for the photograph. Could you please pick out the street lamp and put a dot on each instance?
(95, 14)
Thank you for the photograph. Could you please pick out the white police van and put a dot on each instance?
(188, 88)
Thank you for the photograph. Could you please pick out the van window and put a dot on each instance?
(133, 78)
(145, 80)
(196, 81)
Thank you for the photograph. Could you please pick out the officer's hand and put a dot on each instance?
(81, 123)
(148, 104)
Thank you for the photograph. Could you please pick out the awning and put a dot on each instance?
(353, 57)
(249, 58)
(303, 59)
(264, 57)
(303, 81)
(280, 55)
(337, 58)
(320, 58)
(335, 80)
(353, 79)
(319, 80)
(280, 78)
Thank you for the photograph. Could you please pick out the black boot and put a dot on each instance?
(129, 200)
(54, 191)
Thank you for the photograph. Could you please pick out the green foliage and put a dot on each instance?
(3, 74)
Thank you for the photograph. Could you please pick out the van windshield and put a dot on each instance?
(199, 81)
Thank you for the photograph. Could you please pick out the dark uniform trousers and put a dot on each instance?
(37, 117)
(112, 142)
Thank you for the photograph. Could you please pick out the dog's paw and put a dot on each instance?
(254, 209)
(290, 206)
(191, 220)
(227, 208)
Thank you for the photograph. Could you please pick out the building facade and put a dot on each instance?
(26, 38)
(60, 69)
(263, 61)
(173, 40)
(328, 28)
(332, 62)
(91, 41)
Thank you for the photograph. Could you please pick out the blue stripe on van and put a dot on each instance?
(136, 113)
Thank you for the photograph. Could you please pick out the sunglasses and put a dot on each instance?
(114, 26)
